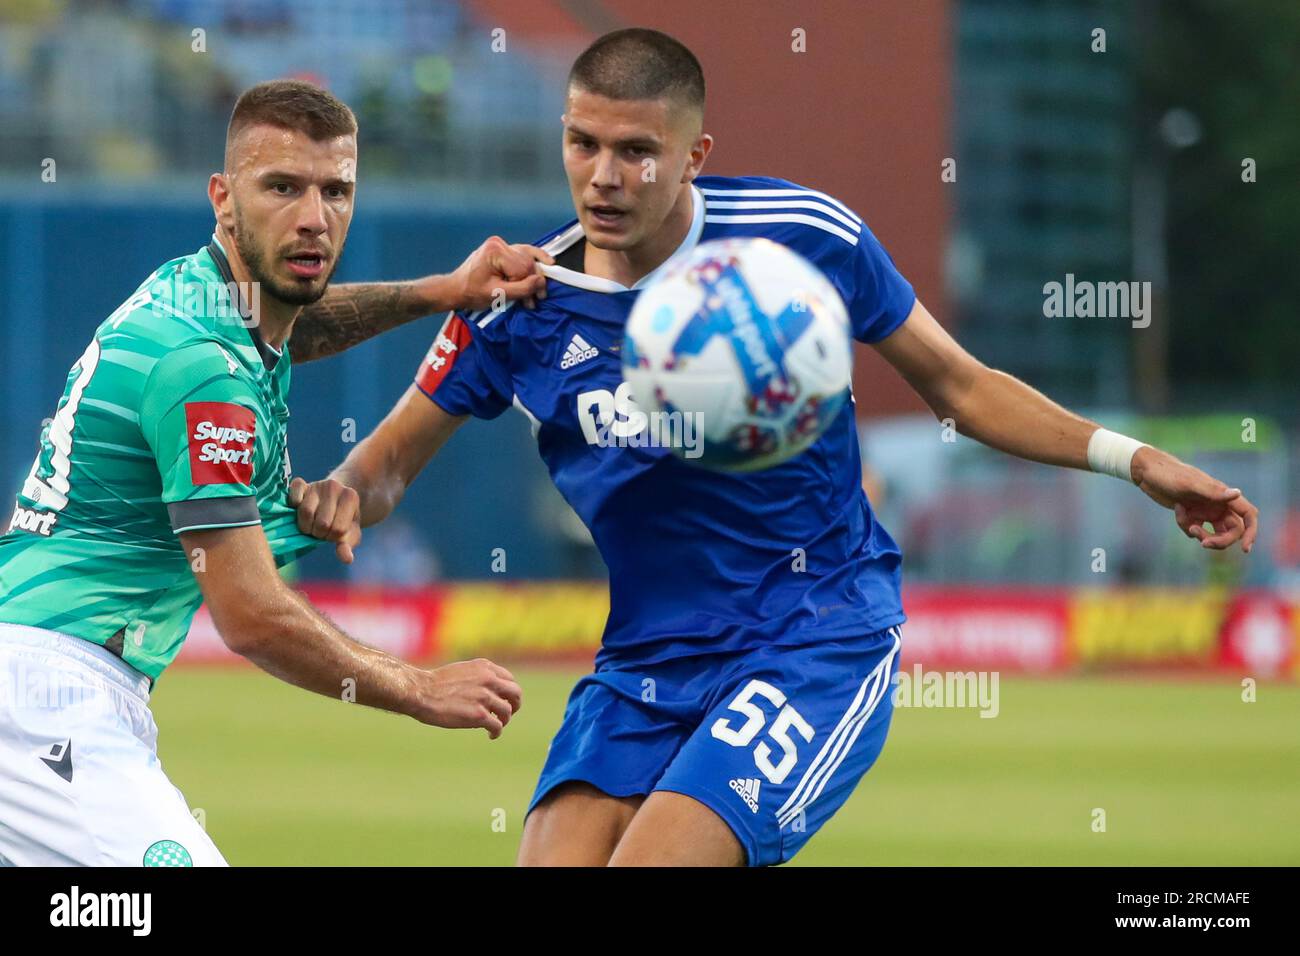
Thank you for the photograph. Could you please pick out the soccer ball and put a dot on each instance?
(750, 342)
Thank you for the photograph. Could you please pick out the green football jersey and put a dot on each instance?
(174, 419)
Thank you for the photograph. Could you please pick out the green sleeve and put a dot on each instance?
(203, 420)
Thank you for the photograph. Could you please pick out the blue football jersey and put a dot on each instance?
(699, 561)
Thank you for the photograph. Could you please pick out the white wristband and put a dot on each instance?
(1111, 453)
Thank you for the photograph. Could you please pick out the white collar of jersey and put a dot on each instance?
(597, 284)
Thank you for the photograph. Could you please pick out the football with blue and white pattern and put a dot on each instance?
(748, 341)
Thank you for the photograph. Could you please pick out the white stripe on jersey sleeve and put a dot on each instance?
(852, 223)
(822, 224)
(767, 193)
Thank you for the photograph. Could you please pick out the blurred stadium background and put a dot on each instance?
(1167, 157)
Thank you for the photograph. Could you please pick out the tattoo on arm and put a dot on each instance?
(349, 314)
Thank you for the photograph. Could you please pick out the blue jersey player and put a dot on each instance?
(742, 686)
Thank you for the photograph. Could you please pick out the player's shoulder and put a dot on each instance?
(199, 371)
(808, 220)
(493, 325)
(761, 187)
(160, 305)
(199, 358)
(177, 319)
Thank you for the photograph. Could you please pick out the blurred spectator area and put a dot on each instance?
(134, 89)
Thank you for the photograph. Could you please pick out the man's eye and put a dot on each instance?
(336, 192)
(281, 189)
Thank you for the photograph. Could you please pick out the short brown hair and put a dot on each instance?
(640, 64)
(291, 104)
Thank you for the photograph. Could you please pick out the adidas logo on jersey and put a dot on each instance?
(579, 351)
(748, 791)
(37, 522)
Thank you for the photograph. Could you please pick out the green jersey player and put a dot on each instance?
(163, 481)
(173, 420)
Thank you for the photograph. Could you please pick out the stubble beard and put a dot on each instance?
(259, 269)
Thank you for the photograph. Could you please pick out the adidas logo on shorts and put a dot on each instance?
(579, 351)
(748, 790)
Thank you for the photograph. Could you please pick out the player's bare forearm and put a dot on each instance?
(1004, 413)
(369, 470)
(990, 406)
(296, 644)
(262, 619)
(293, 643)
(348, 315)
(386, 463)
(373, 479)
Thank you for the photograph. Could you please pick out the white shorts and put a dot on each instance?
(80, 779)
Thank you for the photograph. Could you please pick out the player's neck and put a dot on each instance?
(276, 328)
(627, 266)
(274, 318)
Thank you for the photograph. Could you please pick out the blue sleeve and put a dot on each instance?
(467, 369)
(879, 299)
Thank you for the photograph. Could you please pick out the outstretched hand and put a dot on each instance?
(1196, 500)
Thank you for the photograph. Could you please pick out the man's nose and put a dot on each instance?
(606, 175)
(311, 212)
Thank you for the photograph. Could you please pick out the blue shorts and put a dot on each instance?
(772, 740)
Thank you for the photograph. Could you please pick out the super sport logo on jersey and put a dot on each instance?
(221, 439)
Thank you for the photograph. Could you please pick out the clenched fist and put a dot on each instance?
(474, 693)
(329, 510)
(496, 272)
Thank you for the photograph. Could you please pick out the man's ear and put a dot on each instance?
(219, 196)
(699, 153)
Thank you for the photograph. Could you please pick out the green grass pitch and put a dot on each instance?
(1186, 772)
